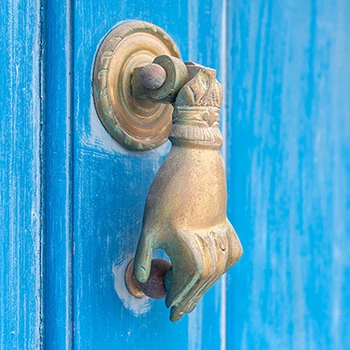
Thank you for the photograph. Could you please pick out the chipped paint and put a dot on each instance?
(137, 306)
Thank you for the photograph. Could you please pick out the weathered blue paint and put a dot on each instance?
(21, 222)
(58, 174)
(289, 174)
(111, 184)
(72, 199)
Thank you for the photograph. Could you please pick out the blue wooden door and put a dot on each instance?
(72, 199)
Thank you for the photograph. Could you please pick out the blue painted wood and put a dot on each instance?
(110, 188)
(72, 200)
(21, 222)
(289, 174)
(58, 173)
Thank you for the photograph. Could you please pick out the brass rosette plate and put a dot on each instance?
(137, 124)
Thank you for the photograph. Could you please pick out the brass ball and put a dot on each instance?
(153, 76)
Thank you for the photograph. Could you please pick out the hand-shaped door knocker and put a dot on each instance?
(143, 94)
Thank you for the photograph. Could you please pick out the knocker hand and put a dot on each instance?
(198, 260)
(185, 212)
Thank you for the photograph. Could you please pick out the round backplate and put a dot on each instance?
(137, 124)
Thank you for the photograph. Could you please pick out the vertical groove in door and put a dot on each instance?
(58, 173)
(223, 80)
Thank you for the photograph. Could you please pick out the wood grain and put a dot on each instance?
(21, 219)
(111, 184)
(58, 174)
(289, 174)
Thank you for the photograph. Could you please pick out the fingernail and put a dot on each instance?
(174, 315)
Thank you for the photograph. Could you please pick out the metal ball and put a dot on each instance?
(153, 76)
(155, 286)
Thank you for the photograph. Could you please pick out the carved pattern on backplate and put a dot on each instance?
(135, 123)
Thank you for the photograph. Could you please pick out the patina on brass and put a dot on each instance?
(176, 77)
(132, 284)
(137, 124)
(185, 211)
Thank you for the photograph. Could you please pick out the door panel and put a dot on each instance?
(289, 174)
(111, 184)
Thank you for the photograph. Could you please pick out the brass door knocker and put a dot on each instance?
(144, 93)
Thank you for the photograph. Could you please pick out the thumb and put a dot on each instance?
(143, 258)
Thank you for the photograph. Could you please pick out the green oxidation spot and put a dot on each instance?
(103, 92)
(127, 140)
(168, 278)
(117, 130)
(102, 73)
(108, 111)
